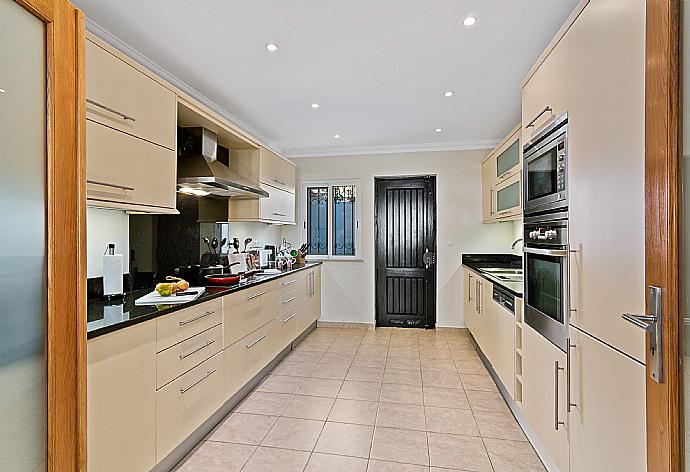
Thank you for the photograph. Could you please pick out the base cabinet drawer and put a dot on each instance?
(233, 371)
(259, 308)
(184, 404)
(287, 301)
(182, 357)
(233, 314)
(286, 329)
(258, 349)
(181, 325)
(288, 283)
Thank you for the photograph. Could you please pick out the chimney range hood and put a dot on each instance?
(203, 168)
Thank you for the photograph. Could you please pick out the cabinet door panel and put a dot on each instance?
(233, 371)
(315, 301)
(508, 197)
(117, 85)
(176, 327)
(539, 394)
(260, 307)
(279, 206)
(488, 180)
(609, 391)
(182, 357)
(276, 171)
(501, 324)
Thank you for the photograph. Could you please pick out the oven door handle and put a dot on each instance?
(546, 252)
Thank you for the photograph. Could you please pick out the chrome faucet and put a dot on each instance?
(515, 243)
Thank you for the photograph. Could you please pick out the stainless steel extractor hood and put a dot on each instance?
(203, 169)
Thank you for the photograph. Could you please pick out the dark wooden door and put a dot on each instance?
(405, 252)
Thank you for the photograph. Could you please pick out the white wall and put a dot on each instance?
(348, 287)
(104, 227)
(261, 233)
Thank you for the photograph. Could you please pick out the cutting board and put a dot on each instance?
(154, 298)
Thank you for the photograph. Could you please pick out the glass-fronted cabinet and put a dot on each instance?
(508, 197)
(508, 162)
(502, 180)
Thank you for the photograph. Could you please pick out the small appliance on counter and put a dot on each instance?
(112, 274)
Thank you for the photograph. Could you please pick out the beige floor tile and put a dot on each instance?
(478, 382)
(395, 393)
(330, 463)
(343, 348)
(383, 466)
(281, 384)
(330, 371)
(486, 401)
(263, 403)
(499, 425)
(464, 355)
(438, 354)
(267, 459)
(314, 345)
(460, 452)
(403, 351)
(513, 456)
(304, 356)
(373, 350)
(405, 363)
(345, 439)
(354, 411)
(215, 456)
(293, 433)
(470, 366)
(360, 390)
(320, 387)
(365, 374)
(365, 360)
(444, 469)
(400, 445)
(445, 397)
(295, 369)
(440, 378)
(438, 364)
(243, 429)
(451, 421)
(337, 359)
(397, 415)
(403, 376)
(309, 408)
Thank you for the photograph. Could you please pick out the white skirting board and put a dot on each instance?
(520, 417)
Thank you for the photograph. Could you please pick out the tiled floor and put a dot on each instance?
(371, 400)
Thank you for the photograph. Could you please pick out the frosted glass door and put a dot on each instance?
(23, 311)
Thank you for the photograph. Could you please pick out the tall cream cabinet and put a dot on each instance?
(475, 298)
(121, 400)
(502, 180)
(277, 177)
(607, 421)
(130, 136)
(544, 397)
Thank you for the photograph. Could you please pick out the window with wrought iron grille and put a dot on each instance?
(330, 212)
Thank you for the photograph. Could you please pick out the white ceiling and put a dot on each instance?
(378, 68)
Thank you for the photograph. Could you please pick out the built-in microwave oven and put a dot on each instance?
(545, 168)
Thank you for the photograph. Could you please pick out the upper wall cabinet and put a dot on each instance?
(130, 136)
(502, 180)
(277, 177)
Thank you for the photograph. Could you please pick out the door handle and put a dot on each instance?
(652, 324)
(556, 421)
(428, 258)
(534, 120)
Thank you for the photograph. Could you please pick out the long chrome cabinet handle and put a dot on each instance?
(257, 295)
(278, 181)
(469, 287)
(205, 345)
(556, 421)
(546, 252)
(285, 302)
(289, 282)
(106, 184)
(289, 318)
(255, 341)
(567, 392)
(208, 374)
(491, 201)
(111, 110)
(182, 323)
(545, 110)
(279, 214)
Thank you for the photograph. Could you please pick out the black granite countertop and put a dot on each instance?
(105, 317)
(476, 262)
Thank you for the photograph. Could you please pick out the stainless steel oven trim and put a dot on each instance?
(548, 327)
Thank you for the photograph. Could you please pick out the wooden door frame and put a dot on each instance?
(665, 431)
(66, 229)
(433, 301)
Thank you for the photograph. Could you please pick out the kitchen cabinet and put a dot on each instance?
(544, 384)
(188, 322)
(501, 180)
(315, 294)
(276, 176)
(182, 357)
(121, 400)
(499, 342)
(606, 155)
(130, 136)
(185, 403)
(608, 390)
(470, 304)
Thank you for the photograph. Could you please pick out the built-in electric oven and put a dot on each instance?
(545, 168)
(546, 276)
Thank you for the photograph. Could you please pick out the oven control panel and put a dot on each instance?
(546, 232)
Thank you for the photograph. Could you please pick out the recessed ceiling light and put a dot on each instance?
(470, 20)
(448, 93)
(336, 136)
(3, 91)
(315, 105)
(272, 47)
(438, 130)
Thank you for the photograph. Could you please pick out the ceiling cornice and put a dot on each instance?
(134, 54)
(392, 149)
